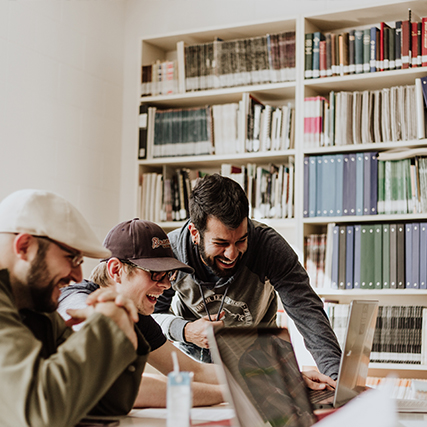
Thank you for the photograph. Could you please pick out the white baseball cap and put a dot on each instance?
(42, 213)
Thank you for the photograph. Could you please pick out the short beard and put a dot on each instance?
(39, 283)
(210, 262)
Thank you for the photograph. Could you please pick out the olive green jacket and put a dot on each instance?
(50, 376)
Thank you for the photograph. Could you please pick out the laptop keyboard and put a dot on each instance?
(316, 396)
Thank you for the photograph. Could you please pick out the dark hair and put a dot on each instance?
(220, 197)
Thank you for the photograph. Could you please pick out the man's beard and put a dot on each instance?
(40, 285)
(210, 261)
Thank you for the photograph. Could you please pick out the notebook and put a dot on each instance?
(263, 380)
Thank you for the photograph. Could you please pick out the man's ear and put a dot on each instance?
(115, 269)
(25, 246)
(194, 233)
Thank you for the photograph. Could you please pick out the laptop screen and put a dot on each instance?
(262, 362)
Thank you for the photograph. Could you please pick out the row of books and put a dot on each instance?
(369, 256)
(398, 45)
(270, 191)
(247, 126)
(363, 184)
(363, 117)
(160, 78)
(405, 388)
(225, 63)
(400, 332)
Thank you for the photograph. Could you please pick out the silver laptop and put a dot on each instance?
(264, 383)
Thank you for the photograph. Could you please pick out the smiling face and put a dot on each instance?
(138, 286)
(220, 247)
(50, 270)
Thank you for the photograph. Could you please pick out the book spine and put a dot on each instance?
(349, 264)
(308, 69)
(378, 255)
(400, 231)
(408, 255)
(423, 256)
(414, 44)
(322, 58)
(406, 44)
(335, 257)
(391, 48)
(373, 50)
(342, 257)
(358, 51)
(386, 256)
(316, 54)
(351, 52)
(424, 41)
(415, 255)
(357, 254)
(398, 44)
(328, 39)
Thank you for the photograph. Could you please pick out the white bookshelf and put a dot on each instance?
(153, 48)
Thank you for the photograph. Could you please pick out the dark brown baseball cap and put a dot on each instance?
(145, 244)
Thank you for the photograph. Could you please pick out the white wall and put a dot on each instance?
(61, 87)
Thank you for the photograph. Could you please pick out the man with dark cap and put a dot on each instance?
(141, 267)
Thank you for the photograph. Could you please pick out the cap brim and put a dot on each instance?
(162, 264)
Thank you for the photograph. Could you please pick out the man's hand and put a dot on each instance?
(108, 294)
(195, 332)
(113, 305)
(317, 381)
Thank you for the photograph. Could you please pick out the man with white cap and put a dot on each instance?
(141, 267)
(51, 376)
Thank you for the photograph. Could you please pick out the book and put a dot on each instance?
(349, 255)
(322, 58)
(342, 248)
(408, 255)
(398, 44)
(335, 256)
(415, 273)
(386, 256)
(357, 256)
(406, 43)
(359, 182)
(143, 132)
(328, 41)
(392, 48)
(339, 174)
(352, 52)
(423, 256)
(424, 42)
(414, 44)
(373, 50)
(326, 198)
(358, 51)
(366, 50)
(343, 51)
(312, 178)
(317, 38)
(400, 257)
(367, 257)
(378, 256)
(383, 45)
(393, 256)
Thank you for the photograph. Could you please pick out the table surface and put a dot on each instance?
(148, 418)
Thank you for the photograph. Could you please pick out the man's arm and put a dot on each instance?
(161, 359)
(152, 392)
(301, 303)
(61, 389)
(153, 389)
